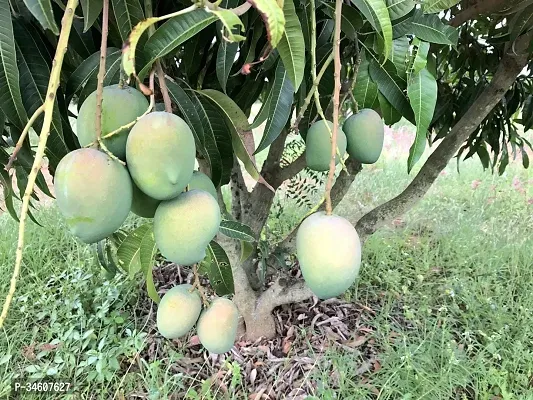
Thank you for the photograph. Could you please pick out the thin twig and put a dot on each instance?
(336, 103)
(196, 285)
(53, 84)
(101, 71)
(22, 137)
(311, 93)
(163, 86)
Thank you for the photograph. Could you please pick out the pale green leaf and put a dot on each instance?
(435, 6)
(42, 11)
(280, 107)
(376, 12)
(399, 8)
(273, 19)
(91, 11)
(219, 270)
(128, 13)
(237, 230)
(137, 250)
(291, 47)
(10, 96)
(422, 92)
(427, 27)
(399, 56)
(419, 57)
(150, 287)
(231, 24)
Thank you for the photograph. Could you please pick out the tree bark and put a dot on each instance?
(510, 66)
(479, 8)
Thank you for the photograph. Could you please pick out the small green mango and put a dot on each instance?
(184, 226)
(178, 311)
(201, 181)
(318, 146)
(217, 326)
(93, 192)
(160, 153)
(329, 252)
(142, 204)
(365, 133)
(120, 106)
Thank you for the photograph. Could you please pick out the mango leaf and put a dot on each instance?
(219, 270)
(521, 22)
(280, 107)
(42, 11)
(204, 138)
(170, 35)
(241, 135)
(427, 27)
(85, 70)
(236, 230)
(291, 47)
(150, 287)
(366, 90)
(91, 11)
(419, 57)
(389, 114)
(225, 58)
(128, 13)
(376, 12)
(33, 63)
(391, 86)
(137, 250)
(10, 96)
(247, 249)
(399, 8)
(264, 111)
(8, 193)
(273, 18)
(422, 92)
(435, 6)
(231, 24)
(399, 56)
(351, 21)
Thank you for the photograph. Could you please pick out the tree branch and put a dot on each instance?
(510, 66)
(101, 70)
(481, 7)
(283, 292)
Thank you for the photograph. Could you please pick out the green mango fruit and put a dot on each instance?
(365, 132)
(217, 326)
(318, 146)
(178, 311)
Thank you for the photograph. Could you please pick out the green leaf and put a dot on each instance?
(291, 47)
(399, 8)
(351, 21)
(427, 27)
(10, 97)
(219, 270)
(419, 57)
(422, 92)
(33, 63)
(85, 70)
(399, 56)
(391, 86)
(128, 13)
(173, 33)
(280, 107)
(42, 11)
(204, 138)
(241, 135)
(263, 113)
(236, 230)
(247, 249)
(435, 6)
(91, 11)
(231, 24)
(366, 90)
(521, 22)
(137, 250)
(388, 112)
(150, 287)
(8, 193)
(376, 12)
(225, 58)
(273, 19)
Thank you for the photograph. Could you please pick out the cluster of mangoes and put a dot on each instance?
(328, 246)
(95, 193)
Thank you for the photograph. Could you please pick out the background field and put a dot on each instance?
(443, 308)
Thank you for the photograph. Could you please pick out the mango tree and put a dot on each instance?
(460, 71)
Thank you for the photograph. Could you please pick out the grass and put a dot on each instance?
(451, 285)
